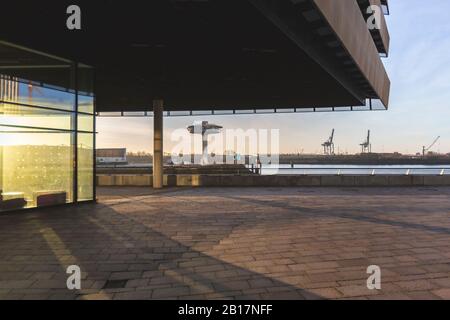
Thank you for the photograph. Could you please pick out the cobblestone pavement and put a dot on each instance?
(233, 243)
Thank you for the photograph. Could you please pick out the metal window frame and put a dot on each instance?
(74, 79)
(45, 108)
(370, 106)
(74, 69)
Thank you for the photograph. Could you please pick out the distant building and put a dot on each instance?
(112, 156)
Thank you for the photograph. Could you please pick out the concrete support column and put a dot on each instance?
(158, 108)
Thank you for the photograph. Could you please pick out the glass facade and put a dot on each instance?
(47, 138)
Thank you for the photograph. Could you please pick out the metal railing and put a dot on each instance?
(321, 170)
(361, 171)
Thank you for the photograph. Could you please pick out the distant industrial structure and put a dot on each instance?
(425, 149)
(328, 146)
(111, 156)
(204, 128)
(366, 146)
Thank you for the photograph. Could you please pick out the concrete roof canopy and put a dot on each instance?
(209, 54)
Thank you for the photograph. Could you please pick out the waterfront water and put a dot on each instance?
(304, 169)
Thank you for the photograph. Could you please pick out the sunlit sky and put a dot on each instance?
(418, 66)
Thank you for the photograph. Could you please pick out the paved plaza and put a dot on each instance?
(233, 243)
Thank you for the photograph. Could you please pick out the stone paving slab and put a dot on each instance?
(233, 243)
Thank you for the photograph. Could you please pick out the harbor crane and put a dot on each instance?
(366, 146)
(328, 146)
(425, 149)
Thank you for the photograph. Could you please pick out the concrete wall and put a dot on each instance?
(274, 181)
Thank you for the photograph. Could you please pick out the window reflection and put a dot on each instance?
(19, 115)
(85, 104)
(85, 166)
(38, 141)
(19, 91)
(37, 168)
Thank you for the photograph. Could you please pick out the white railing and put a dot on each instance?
(348, 170)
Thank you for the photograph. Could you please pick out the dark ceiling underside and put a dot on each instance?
(216, 54)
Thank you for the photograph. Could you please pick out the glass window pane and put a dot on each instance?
(32, 94)
(36, 168)
(86, 104)
(37, 114)
(85, 122)
(85, 166)
(17, 115)
(86, 84)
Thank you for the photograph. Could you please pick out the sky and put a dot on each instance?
(419, 110)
